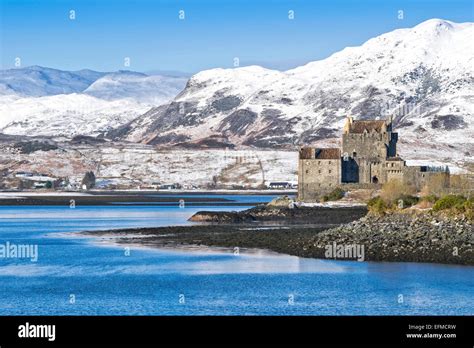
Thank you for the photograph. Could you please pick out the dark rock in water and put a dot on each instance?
(301, 215)
(283, 202)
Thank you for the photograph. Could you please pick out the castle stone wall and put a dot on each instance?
(317, 177)
(366, 145)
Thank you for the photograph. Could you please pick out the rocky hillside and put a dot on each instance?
(406, 237)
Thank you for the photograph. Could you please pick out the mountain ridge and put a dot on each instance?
(421, 75)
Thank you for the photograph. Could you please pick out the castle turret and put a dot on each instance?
(348, 124)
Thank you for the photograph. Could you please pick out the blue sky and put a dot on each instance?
(212, 34)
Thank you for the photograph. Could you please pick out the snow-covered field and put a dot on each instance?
(133, 166)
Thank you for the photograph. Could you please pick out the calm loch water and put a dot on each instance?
(75, 275)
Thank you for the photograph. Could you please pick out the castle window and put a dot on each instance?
(392, 164)
(329, 162)
(330, 171)
(319, 162)
(319, 171)
(307, 171)
(354, 154)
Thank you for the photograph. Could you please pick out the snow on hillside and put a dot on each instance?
(65, 115)
(43, 101)
(422, 76)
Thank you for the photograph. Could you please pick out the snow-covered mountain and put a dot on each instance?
(423, 76)
(37, 81)
(65, 115)
(154, 90)
(44, 101)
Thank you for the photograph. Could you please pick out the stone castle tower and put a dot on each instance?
(368, 157)
(366, 146)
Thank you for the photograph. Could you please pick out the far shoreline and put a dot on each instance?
(133, 197)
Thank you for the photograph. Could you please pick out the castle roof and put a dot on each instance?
(320, 153)
(327, 153)
(394, 159)
(306, 153)
(359, 126)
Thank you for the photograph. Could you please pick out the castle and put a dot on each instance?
(368, 158)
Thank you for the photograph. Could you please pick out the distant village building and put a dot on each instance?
(368, 157)
(23, 174)
(36, 181)
(280, 185)
(170, 186)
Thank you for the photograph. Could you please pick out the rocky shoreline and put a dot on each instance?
(406, 237)
(397, 237)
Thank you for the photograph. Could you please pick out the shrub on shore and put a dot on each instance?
(394, 194)
(469, 208)
(394, 189)
(334, 195)
(430, 198)
(456, 204)
(377, 205)
(407, 200)
(450, 202)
